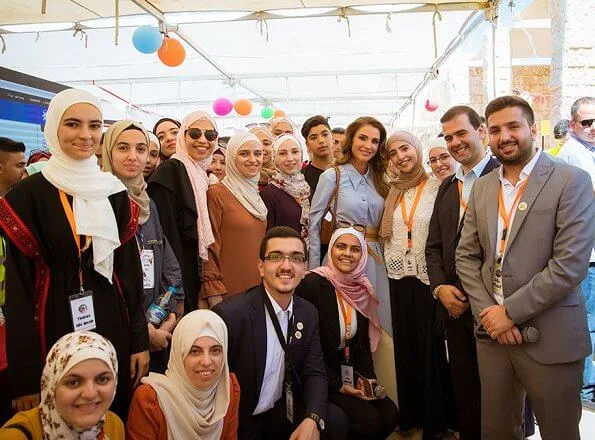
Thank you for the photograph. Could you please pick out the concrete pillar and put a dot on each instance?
(498, 65)
(573, 54)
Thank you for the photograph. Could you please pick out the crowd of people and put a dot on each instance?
(177, 284)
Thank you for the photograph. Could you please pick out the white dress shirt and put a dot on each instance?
(274, 368)
(510, 192)
(468, 180)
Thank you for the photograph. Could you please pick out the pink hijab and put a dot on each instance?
(354, 287)
(197, 172)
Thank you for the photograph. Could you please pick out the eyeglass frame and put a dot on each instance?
(200, 133)
(587, 123)
(439, 158)
(285, 257)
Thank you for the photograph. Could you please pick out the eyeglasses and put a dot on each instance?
(586, 123)
(356, 226)
(442, 158)
(261, 125)
(196, 133)
(278, 257)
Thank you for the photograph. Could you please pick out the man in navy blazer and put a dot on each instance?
(257, 356)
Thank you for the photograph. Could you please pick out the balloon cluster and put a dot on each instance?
(149, 39)
(243, 107)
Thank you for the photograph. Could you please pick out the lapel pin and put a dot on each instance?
(300, 326)
(298, 334)
(522, 206)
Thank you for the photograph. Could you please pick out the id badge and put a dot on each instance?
(347, 375)
(409, 265)
(83, 313)
(148, 264)
(289, 403)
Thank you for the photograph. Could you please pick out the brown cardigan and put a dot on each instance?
(231, 267)
(147, 422)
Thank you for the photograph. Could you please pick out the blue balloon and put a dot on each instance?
(147, 39)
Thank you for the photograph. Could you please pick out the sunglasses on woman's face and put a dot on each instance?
(343, 224)
(196, 133)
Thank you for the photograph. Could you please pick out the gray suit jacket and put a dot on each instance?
(546, 259)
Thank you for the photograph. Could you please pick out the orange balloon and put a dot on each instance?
(280, 113)
(172, 52)
(243, 107)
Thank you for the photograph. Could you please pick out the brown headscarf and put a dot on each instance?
(136, 186)
(403, 182)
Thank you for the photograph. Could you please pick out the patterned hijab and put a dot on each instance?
(403, 182)
(243, 189)
(136, 186)
(69, 351)
(197, 172)
(294, 185)
(189, 411)
(354, 287)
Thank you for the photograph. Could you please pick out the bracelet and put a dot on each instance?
(436, 291)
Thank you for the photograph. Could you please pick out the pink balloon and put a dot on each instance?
(222, 106)
(431, 106)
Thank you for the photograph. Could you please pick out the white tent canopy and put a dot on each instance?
(367, 62)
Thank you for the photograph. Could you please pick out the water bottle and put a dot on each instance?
(156, 313)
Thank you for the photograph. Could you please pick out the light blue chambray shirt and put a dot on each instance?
(469, 179)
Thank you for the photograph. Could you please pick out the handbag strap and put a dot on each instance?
(335, 196)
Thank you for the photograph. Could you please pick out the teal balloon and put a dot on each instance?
(147, 39)
(267, 112)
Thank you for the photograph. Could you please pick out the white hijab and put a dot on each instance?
(197, 173)
(86, 183)
(244, 190)
(190, 412)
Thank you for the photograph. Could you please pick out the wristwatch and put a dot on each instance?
(436, 291)
(318, 420)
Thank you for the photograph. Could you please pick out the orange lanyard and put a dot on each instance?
(462, 202)
(347, 318)
(506, 216)
(77, 239)
(409, 219)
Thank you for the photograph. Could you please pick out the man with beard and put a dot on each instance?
(319, 140)
(579, 151)
(464, 133)
(527, 235)
(274, 350)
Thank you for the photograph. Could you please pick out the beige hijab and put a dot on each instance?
(243, 189)
(136, 186)
(403, 182)
(190, 412)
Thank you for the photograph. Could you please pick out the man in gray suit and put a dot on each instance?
(523, 253)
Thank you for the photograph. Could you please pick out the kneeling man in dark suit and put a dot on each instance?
(274, 350)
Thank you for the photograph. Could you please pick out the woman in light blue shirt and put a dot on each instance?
(362, 191)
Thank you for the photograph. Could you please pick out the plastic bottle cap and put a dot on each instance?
(172, 289)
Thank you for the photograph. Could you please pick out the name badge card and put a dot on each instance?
(289, 403)
(148, 264)
(83, 313)
(409, 265)
(347, 375)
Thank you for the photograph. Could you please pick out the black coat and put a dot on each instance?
(444, 234)
(171, 190)
(42, 271)
(246, 324)
(320, 292)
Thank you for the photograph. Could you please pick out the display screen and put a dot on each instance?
(24, 101)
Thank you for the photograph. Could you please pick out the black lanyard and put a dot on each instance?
(284, 343)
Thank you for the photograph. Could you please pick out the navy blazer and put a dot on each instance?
(244, 315)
